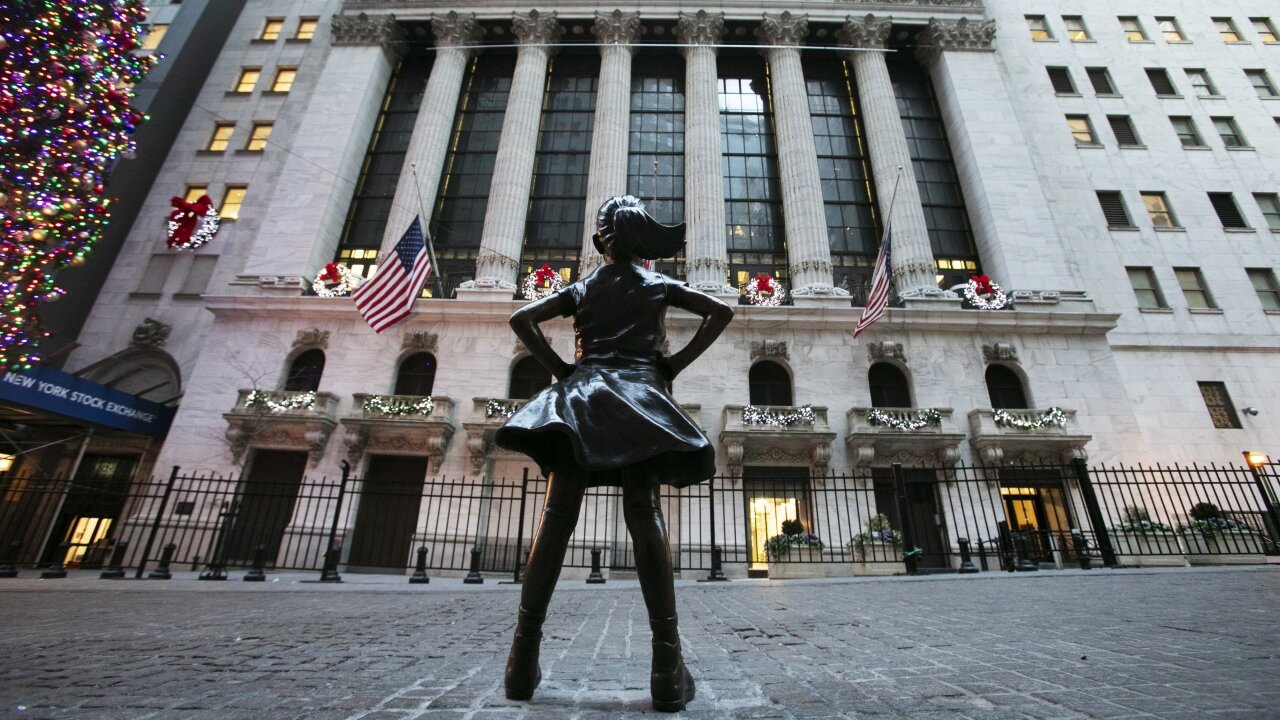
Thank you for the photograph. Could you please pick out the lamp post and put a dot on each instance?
(1256, 461)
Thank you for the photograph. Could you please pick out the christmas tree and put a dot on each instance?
(66, 79)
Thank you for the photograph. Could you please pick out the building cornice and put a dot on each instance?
(817, 10)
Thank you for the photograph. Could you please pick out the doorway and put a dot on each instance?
(773, 496)
(922, 513)
(264, 507)
(93, 503)
(388, 512)
(1035, 506)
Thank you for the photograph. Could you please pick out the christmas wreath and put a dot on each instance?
(541, 282)
(191, 224)
(335, 280)
(983, 294)
(764, 290)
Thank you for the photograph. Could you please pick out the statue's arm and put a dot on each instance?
(525, 323)
(715, 318)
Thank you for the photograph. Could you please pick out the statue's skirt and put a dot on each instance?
(609, 414)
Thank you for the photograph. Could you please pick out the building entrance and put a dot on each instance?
(773, 495)
(388, 512)
(922, 511)
(1035, 506)
(264, 507)
(92, 505)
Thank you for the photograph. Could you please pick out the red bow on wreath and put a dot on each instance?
(186, 215)
(544, 274)
(330, 274)
(764, 283)
(984, 284)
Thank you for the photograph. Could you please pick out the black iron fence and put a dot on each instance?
(881, 520)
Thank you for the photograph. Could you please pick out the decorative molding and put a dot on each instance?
(1000, 352)
(870, 32)
(455, 30)
(769, 349)
(420, 340)
(150, 333)
(364, 29)
(312, 337)
(886, 350)
(785, 29)
(618, 28)
(960, 35)
(701, 28)
(774, 455)
(536, 28)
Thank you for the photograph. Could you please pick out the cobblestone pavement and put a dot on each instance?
(1177, 644)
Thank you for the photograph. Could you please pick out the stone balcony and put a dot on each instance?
(281, 420)
(911, 436)
(487, 415)
(399, 425)
(1049, 436)
(770, 442)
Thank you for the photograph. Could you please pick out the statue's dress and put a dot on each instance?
(615, 410)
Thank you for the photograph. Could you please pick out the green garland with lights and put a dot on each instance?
(925, 418)
(1053, 417)
(497, 408)
(262, 398)
(752, 415)
(382, 405)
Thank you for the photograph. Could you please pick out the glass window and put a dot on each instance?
(1170, 30)
(1185, 127)
(770, 384)
(1081, 130)
(231, 202)
(1201, 82)
(248, 79)
(195, 192)
(888, 386)
(1076, 29)
(1261, 83)
(1219, 405)
(1004, 387)
(1193, 288)
(1039, 27)
(1158, 210)
(1145, 288)
(417, 375)
(155, 34)
(271, 29)
(1226, 28)
(1264, 283)
(305, 371)
(528, 378)
(1113, 210)
(306, 28)
(259, 136)
(1229, 132)
(1101, 81)
(284, 80)
(221, 137)
(1224, 204)
(1161, 83)
(1133, 29)
(1122, 128)
(1060, 78)
(1269, 203)
(1266, 31)
(655, 146)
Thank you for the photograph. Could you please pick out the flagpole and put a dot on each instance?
(422, 213)
(893, 198)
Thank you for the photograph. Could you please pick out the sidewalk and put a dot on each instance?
(1176, 644)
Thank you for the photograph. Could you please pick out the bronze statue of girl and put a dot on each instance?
(610, 420)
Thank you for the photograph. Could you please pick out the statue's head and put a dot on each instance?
(625, 232)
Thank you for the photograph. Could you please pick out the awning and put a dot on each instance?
(53, 391)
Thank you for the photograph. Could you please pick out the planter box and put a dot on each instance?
(1228, 548)
(797, 564)
(878, 559)
(1152, 549)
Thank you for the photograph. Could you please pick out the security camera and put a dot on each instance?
(1251, 410)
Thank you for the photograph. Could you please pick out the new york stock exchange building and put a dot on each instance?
(1082, 208)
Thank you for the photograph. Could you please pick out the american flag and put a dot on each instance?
(878, 298)
(388, 297)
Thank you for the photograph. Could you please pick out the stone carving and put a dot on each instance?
(151, 333)
(453, 29)
(312, 337)
(702, 28)
(1000, 352)
(878, 351)
(870, 32)
(769, 349)
(287, 282)
(785, 29)
(962, 34)
(365, 29)
(618, 28)
(536, 28)
(420, 340)
(774, 455)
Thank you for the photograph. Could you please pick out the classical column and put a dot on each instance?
(430, 140)
(302, 222)
(914, 269)
(617, 33)
(989, 147)
(500, 241)
(706, 258)
(808, 251)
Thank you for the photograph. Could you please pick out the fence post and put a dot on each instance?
(1095, 512)
(519, 553)
(1266, 496)
(10, 568)
(908, 533)
(966, 560)
(162, 570)
(217, 552)
(115, 569)
(473, 575)
(329, 573)
(155, 524)
(716, 574)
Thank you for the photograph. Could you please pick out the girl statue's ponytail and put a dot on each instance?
(623, 226)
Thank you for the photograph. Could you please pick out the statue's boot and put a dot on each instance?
(523, 673)
(670, 683)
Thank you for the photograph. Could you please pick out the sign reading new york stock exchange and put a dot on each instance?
(53, 391)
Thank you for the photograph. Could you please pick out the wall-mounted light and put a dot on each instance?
(6, 462)
(1251, 410)
(1255, 458)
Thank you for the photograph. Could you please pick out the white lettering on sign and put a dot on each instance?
(14, 378)
(85, 399)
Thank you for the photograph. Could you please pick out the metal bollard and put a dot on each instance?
(57, 570)
(10, 568)
(257, 573)
(1081, 545)
(1023, 563)
(595, 578)
(717, 565)
(330, 572)
(420, 572)
(473, 575)
(966, 561)
(982, 554)
(162, 570)
(115, 568)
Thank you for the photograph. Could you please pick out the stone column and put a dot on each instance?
(988, 143)
(503, 234)
(431, 130)
(302, 221)
(706, 258)
(617, 32)
(808, 251)
(914, 269)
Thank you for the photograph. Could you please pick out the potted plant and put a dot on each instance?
(1142, 542)
(794, 553)
(1212, 538)
(878, 549)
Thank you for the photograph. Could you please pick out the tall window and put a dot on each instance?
(557, 202)
(1219, 405)
(305, 371)
(1004, 387)
(1269, 204)
(1133, 29)
(1145, 288)
(940, 195)
(417, 375)
(1191, 281)
(232, 201)
(888, 386)
(749, 157)
(655, 155)
(528, 377)
(770, 384)
(1265, 285)
(852, 230)
(463, 198)
(376, 185)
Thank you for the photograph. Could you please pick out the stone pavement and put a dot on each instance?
(1173, 644)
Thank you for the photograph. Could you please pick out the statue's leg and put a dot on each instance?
(669, 681)
(559, 516)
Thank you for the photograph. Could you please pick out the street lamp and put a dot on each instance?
(1254, 458)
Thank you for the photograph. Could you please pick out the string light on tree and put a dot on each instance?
(66, 78)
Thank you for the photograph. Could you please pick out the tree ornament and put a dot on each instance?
(70, 204)
(764, 290)
(335, 280)
(982, 294)
(77, 261)
(541, 282)
(39, 235)
(191, 224)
